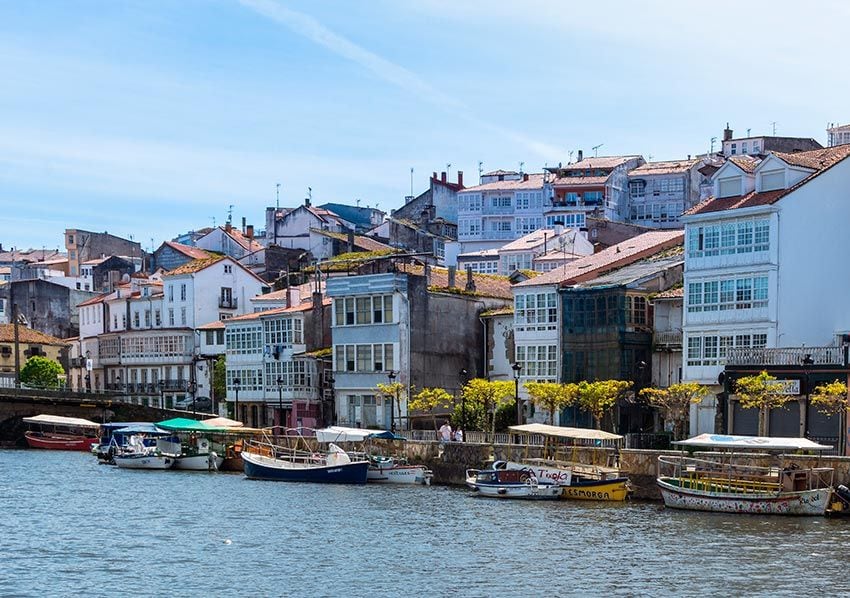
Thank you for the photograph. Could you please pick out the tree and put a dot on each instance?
(394, 391)
(600, 397)
(488, 395)
(674, 403)
(761, 392)
(830, 398)
(552, 396)
(219, 381)
(430, 399)
(41, 372)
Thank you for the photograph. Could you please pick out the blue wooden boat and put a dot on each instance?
(266, 461)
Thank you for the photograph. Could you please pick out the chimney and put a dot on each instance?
(243, 225)
(288, 293)
(525, 176)
(727, 133)
(580, 156)
(249, 231)
(350, 241)
(427, 274)
(470, 284)
(227, 226)
(452, 276)
(460, 178)
(443, 176)
(307, 201)
(434, 175)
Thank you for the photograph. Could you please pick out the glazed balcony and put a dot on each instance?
(788, 356)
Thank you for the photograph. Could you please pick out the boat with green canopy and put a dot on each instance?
(195, 450)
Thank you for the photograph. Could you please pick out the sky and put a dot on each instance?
(153, 118)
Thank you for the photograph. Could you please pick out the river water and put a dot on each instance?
(69, 526)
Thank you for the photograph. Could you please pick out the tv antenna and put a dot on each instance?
(480, 170)
(774, 128)
(277, 196)
(230, 214)
(411, 181)
(595, 149)
(713, 141)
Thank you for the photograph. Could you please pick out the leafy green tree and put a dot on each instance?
(599, 397)
(762, 392)
(505, 416)
(674, 403)
(41, 372)
(429, 400)
(396, 392)
(219, 382)
(830, 398)
(552, 396)
(488, 395)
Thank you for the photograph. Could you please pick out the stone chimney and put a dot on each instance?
(227, 226)
(580, 155)
(350, 241)
(727, 133)
(443, 176)
(452, 270)
(460, 178)
(470, 283)
(249, 231)
(525, 176)
(427, 274)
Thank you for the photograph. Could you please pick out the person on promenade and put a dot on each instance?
(445, 432)
(458, 435)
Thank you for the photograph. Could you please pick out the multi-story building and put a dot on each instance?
(45, 304)
(505, 206)
(660, 192)
(760, 268)
(231, 241)
(591, 186)
(31, 343)
(762, 144)
(838, 135)
(83, 245)
(667, 337)
(555, 246)
(171, 255)
(393, 328)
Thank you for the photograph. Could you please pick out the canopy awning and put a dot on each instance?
(142, 428)
(764, 443)
(182, 424)
(563, 432)
(342, 434)
(118, 425)
(222, 422)
(58, 420)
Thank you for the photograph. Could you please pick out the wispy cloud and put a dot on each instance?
(393, 73)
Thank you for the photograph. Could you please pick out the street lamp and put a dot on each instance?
(236, 383)
(391, 375)
(280, 401)
(463, 376)
(517, 367)
(161, 385)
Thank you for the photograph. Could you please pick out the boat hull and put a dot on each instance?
(258, 467)
(400, 474)
(60, 442)
(519, 491)
(143, 461)
(616, 489)
(806, 502)
(208, 462)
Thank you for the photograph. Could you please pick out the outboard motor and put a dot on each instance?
(843, 492)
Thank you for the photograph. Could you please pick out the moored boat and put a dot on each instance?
(511, 483)
(54, 432)
(193, 449)
(266, 461)
(715, 483)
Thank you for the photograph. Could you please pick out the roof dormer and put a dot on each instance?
(735, 178)
(775, 173)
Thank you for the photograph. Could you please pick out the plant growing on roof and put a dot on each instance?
(674, 403)
(430, 399)
(830, 398)
(41, 372)
(552, 396)
(599, 397)
(762, 392)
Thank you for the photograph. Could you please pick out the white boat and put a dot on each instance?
(511, 483)
(197, 457)
(138, 456)
(715, 483)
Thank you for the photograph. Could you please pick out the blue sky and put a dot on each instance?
(151, 118)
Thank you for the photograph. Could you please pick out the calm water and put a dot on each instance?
(70, 526)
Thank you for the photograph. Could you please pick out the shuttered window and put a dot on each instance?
(773, 180)
(729, 187)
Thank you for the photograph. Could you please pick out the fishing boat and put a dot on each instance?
(192, 448)
(560, 465)
(54, 432)
(382, 469)
(267, 461)
(115, 438)
(713, 482)
(511, 483)
(139, 456)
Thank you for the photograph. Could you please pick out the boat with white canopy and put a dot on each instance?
(58, 433)
(714, 482)
(560, 462)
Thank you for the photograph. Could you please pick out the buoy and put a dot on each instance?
(228, 541)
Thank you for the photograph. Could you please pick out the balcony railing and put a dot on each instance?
(227, 302)
(668, 338)
(790, 356)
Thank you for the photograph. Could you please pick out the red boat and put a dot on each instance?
(59, 433)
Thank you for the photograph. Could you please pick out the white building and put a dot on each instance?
(838, 135)
(660, 192)
(667, 337)
(764, 263)
(505, 206)
(291, 228)
(230, 241)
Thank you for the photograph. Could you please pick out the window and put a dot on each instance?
(171, 292)
(734, 148)
(528, 225)
(538, 362)
(500, 225)
(500, 202)
(136, 323)
(182, 316)
(729, 187)
(364, 358)
(567, 220)
(377, 309)
(147, 318)
(244, 340)
(228, 269)
(536, 311)
(729, 294)
(774, 179)
(743, 147)
(636, 311)
(637, 189)
(711, 349)
(157, 317)
(761, 239)
(593, 197)
(182, 292)
(171, 316)
(283, 331)
(729, 238)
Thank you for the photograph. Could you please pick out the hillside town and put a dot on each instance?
(703, 269)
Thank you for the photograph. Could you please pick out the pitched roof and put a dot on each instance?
(360, 241)
(598, 162)
(499, 172)
(668, 167)
(564, 181)
(214, 325)
(302, 307)
(243, 241)
(535, 181)
(746, 163)
(196, 265)
(28, 336)
(818, 160)
(196, 253)
(533, 239)
(677, 293)
(486, 285)
(94, 300)
(303, 290)
(616, 256)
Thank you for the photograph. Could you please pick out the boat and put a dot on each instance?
(54, 432)
(511, 483)
(198, 456)
(115, 438)
(713, 482)
(139, 456)
(267, 461)
(578, 481)
(382, 469)
(193, 449)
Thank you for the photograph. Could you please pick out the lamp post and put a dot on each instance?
(161, 385)
(236, 382)
(463, 375)
(808, 362)
(279, 401)
(517, 367)
(88, 371)
(391, 375)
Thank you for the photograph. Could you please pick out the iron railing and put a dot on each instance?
(788, 356)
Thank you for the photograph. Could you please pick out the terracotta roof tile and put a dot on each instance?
(746, 163)
(569, 181)
(668, 167)
(616, 256)
(302, 307)
(28, 336)
(246, 243)
(535, 181)
(598, 162)
(360, 241)
(677, 293)
(214, 325)
(816, 159)
(196, 265)
(95, 300)
(486, 285)
(196, 253)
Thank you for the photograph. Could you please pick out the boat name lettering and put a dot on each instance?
(587, 494)
(337, 470)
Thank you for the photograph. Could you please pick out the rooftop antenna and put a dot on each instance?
(521, 164)
(411, 181)
(651, 157)
(448, 168)
(357, 202)
(480, 170)
(713, 141)
(230, 214)
(277, 196)
(213, 220)
(595, 149)
(570, 159)
(748, 132)
(774, 128)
